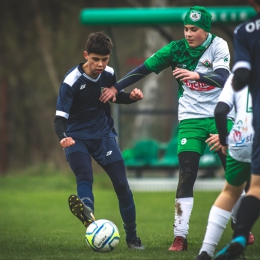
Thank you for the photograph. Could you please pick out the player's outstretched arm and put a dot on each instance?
(129, 79)
(217, 79)
(129, 98)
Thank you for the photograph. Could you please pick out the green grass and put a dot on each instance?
(35, 221)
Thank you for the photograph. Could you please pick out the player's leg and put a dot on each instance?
(250, 238)
(235, 209)
(109, 157)
(82, 204)
(248, 211)
(247, 215)
(218, 219)
(191, 145)
(236, 174)
(188, 168)
(116, 172)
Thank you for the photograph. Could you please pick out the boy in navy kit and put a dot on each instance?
(246, 71)
(86, 129)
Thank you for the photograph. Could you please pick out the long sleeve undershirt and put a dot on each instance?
(221, 111)
(217, 79)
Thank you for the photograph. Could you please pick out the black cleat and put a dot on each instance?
(135, 243)
(203, 256)
(80, 210)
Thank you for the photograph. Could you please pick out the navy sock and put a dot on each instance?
(247, 215)
(127, 210)
(85, 193)
(116, 172)
(130, 231)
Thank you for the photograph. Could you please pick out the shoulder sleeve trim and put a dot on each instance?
(62, 114)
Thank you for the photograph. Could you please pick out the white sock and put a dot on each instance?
(183, 208)
(217, 222)
(236, 206)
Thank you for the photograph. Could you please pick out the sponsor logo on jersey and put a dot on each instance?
(226, 59)
(240, 135)
(109, 153)
(195, 15)
(206, 63)
(183, 141)
(199, 86)
(82, 86)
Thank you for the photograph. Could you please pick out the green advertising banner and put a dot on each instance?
(166, 15)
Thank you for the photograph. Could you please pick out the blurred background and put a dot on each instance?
(41, 40)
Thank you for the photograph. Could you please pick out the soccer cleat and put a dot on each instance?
(250, 238)
(135, 243)
(233, 250)
(203, 256)
(179, 244)
(80, 210)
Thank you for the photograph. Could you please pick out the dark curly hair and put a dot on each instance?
(99, 43)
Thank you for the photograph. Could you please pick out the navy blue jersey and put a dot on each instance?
(78, 102)
(247, 55)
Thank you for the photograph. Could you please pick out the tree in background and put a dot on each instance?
(39, 40)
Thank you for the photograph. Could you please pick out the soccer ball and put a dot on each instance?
(102, 235)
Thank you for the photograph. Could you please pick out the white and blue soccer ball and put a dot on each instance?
(102, 235)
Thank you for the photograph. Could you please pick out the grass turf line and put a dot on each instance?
(36, 223)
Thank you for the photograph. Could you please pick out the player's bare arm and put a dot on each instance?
(107, 94)
(184, 74)
(213, 142)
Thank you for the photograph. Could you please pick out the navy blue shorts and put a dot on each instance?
(103, 151)
(255, 165)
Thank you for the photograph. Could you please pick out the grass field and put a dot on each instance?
(35, 221)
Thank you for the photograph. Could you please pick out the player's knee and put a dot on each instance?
(83, 175)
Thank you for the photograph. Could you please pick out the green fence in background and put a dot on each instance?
(163, 15)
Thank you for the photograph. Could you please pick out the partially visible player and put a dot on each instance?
(86, 129)
(200, 64)
(238, 149)
(247, 72)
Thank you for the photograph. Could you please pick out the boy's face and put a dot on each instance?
(95, 64)
(194, 35)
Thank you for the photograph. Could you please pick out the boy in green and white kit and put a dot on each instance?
(200, 64)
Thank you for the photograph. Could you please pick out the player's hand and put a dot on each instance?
(108, 94)
(67, 142)
(136, 94)
(224, 149)
(184, 74)
(213, 142)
